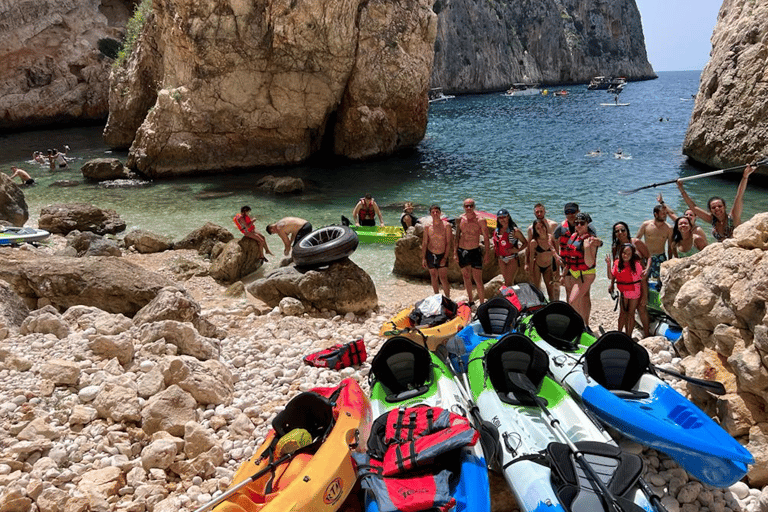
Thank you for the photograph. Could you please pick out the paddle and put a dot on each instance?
(289, 449)
(523, 383)
(713, 386)
(697, 176)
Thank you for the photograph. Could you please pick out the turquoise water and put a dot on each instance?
(509, 152)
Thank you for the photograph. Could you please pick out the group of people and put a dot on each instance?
(54, 159)
(290, 230)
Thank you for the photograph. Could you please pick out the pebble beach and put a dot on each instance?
(60, 450)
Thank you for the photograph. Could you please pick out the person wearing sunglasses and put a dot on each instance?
(508, 241)
(469, 229)
(562, 234)
(580, 257)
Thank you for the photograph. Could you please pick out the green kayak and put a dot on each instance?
(378, 234)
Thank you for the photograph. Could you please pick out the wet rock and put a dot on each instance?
(102, 169)
(281, 185)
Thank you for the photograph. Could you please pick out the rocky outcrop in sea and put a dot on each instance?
(729, 124)
(486, 46)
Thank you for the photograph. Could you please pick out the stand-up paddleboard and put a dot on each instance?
(15, 236)
(614, 104)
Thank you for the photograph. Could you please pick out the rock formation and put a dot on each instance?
(13, 206)
(729, 124)
(268, 83)
(64, 218)
(52, 70)
(486, 46)
(719, 296)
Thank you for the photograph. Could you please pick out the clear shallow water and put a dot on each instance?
(509, 152)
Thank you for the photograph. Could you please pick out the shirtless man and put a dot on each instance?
(290, 230)
(436, 249)
(690, 214)
(469, 228)
(657, 234)
(365, 212)
(541, 214)
(23, 175)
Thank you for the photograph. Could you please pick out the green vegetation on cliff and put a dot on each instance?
(133, 30)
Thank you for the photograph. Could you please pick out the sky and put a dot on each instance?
(677, 32)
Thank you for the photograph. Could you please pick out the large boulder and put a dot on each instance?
(13, 207)
(718, 295)
(204, 238)
(102, 169)
(281, 185)
(175, 303)
(13, 311)
(213, 86)
(111, 284)
(63, 218)
(146, 242)
(342, 286)
(237, 259)
(729, 123)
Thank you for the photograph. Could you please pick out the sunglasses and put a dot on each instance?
(620, 230)
(569, 212)
(580, 223)
(469, 206)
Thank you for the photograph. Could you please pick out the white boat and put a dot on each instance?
(436, 94)
(10, 235)
(521, 89)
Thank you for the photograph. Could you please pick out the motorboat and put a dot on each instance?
(613, 84)
(437, 94)
(521, 89)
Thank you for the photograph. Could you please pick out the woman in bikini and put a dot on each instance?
(543, 257)
(508, 241)
(684, 241)
(722, 224)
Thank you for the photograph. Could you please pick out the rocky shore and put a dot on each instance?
(101, 412)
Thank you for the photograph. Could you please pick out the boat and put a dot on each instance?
(436, 94)
(405, 375)
(562, 92)
(600, 83)
(378, 234)
(522, 89)
(535, 450)
(614, 378)
(10, 235)
(431, 332)
(309, 470)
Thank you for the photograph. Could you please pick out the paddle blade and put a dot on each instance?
(713, 386)
(293, 441)
(523, 383)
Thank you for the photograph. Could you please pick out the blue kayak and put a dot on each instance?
(615, 380)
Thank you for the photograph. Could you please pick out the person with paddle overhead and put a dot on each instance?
(580, 257)
(620, 238)
(365, 212)
(469, 228)
(436, 249)
(508, 241)
(658, 237)
(290, 230)
(722, 224)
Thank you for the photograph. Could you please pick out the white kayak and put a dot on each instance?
(10, 235)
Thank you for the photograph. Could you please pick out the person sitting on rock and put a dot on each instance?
(23, 175)
(290, 230)
(246, 226)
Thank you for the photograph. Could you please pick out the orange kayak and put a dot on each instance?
(319, 476)
(431, 337)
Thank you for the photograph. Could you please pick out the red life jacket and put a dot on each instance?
(244, 223)
(504, 244)
(563, 240)
(366, 212)
(574, 253)
(412, 438)
(627, 278)
(339, 356)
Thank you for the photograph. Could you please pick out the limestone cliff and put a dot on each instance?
(729, 124)
(51, 71)
(719, 296)
(485, 46)
(271, 82)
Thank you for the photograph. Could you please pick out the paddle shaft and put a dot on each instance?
(655, 500)
(245, 482)
(712, 386)
(694, 177)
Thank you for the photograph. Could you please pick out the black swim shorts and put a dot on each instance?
(302, 232)
(473, 257)
(433, 260)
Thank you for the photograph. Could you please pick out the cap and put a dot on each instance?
(584, 216)
(502, 213)
(571, 208)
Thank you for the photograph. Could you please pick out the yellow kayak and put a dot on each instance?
(317, 477)
(378, 234)
(431, 337)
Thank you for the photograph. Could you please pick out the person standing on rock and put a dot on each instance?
(436, 249)
(469, 228)
(290, 230)
(722, 224)
(657, 235)
(23, 175)
(246, 226)
(365, 212)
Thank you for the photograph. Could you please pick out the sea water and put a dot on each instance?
(505, 152)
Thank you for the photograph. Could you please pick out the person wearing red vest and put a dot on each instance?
(580, 256)
(627, 271)
(365, 212)
(245, 224)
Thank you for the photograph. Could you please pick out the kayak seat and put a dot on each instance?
(403, 367)
(515, 353)
(618, 470)
(497, 316)
(309, 411)
(559, 324)
(617, 363)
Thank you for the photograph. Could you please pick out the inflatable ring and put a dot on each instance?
(325, 245)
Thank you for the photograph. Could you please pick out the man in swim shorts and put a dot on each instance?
(656, 234)
(469, 228)
(435, 250)
(290, 230)
(23, 175)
